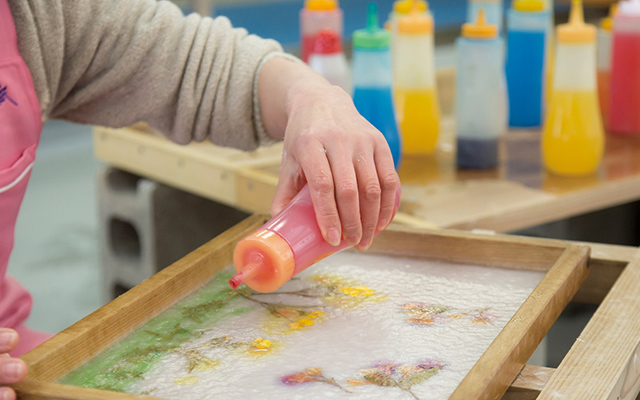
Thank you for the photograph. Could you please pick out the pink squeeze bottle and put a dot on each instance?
(286, 245)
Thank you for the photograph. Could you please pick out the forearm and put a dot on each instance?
(113, 63)
(282, 84)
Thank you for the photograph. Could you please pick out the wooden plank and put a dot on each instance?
(255, 190)
(604, 361)
(36, 390)
(200, 168)
(529, 383)
(491, 376)
(466, 248)
(549, 209)
(85, 339)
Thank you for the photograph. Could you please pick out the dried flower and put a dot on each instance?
(357, 291)
(187, 380)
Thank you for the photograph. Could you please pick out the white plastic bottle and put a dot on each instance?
(493, 9)
(315, 16)
(329, 61)
(481, 99)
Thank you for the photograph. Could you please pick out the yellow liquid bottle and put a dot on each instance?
(416, 100)
(418, 114)
(573, 136)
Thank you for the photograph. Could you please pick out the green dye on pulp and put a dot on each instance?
(122, 364)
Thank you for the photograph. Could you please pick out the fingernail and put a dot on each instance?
(12, 370)
(333, 237)
(7, 338)
(353, 240)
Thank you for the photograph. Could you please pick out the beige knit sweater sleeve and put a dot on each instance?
(117, 62)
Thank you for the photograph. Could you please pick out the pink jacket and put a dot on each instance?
(20, 125)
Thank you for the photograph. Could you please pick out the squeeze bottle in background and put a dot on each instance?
(548, 6)
(286, 245)
(493, 10)
(527, 38)
(573, 138)
(317, 15)
(624, 112)
(604, 63)
(404, 7)
(329, 61)
(481, 104)
(414, 81)
(372, 80)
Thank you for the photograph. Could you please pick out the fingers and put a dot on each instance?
(317, 172)
(12, 370)
(346, 194)
(389, 184)
(8, 340)
(289, 184)
(7, 394)
(370, 194)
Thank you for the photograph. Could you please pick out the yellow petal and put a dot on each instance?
(187, 380)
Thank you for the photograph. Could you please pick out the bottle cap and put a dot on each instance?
(321, 5)
(405, 6)
(264, 261)
(606, 23)
(528, 5)
(327, 42)
(629, 7)
(480, 29)
(416, 22)
(372, 37)
(576, 31)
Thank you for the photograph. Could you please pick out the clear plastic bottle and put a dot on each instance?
(286, 245)
(604, 62)
(403, 8)
(329, 61)
(493, 9)
(573, 137)
(624, 110)
(527, 39)
(414, 82)
(481, 104)
(372, 93)
(317, 15)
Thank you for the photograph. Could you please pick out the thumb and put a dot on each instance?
(288, 187)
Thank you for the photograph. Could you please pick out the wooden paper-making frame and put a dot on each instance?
(565, 266)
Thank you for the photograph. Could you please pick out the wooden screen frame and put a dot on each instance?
(565, 265)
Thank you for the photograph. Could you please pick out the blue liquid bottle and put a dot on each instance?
(526, 68)
(481, 103)
(372, 94)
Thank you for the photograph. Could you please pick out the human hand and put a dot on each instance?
(344, 159)
(12, 370)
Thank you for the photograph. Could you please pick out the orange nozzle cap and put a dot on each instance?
(416, 22)
(321, 5)
(480, 29)
(576, 31)
(264, 261)
(528, 5)
(405, 6)
(606, 23)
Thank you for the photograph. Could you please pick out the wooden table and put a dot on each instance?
(517, 195)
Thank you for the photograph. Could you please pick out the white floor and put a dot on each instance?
(56, 252)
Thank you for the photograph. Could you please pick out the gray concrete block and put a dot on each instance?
(146, 226)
